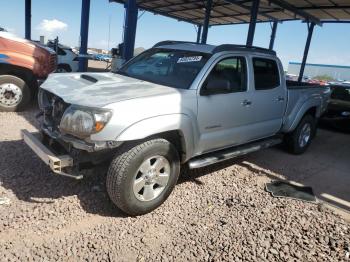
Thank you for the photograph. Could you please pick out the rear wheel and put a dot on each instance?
(14, 93)
(300, 139)
(141, 179)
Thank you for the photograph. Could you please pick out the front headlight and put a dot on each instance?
(84, 121)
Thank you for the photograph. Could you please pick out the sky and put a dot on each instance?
(51, 18)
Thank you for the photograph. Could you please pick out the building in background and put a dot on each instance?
(333, 72)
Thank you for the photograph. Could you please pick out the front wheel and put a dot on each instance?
(300, 139)
(140, 179)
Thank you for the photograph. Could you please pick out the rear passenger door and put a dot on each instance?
(270, 96)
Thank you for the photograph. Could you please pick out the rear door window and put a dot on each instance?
(266, 74)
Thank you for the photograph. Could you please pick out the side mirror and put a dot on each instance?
(216, 86)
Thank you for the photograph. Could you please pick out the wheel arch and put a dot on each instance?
(312, 109)
(21, 72)
(176, 138)
(176, 128)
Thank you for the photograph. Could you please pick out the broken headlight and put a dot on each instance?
(84, 121)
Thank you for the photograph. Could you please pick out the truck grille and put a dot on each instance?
(53, 108)
(53, 62)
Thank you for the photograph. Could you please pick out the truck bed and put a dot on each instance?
(302, 95)
(300, 85)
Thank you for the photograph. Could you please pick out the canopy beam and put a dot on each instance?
(306, 50)
(130, 29)
(84, 35)
(206, 21)
(28, 19)
(273, 35)
(253, 16)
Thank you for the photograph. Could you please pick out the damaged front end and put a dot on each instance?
(65, 153)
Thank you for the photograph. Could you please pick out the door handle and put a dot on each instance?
(246, 102)
(280, 99)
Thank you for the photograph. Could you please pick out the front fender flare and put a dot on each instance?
(160, 124)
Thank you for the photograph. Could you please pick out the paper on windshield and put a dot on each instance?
(189, 59)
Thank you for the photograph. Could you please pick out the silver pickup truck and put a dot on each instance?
(177, 103)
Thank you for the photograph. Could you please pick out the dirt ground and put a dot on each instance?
(98, 66)
(216, 213)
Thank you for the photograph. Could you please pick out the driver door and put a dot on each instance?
(223, 117)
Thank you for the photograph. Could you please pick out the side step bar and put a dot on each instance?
(222, 155)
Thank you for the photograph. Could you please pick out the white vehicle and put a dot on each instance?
(67, 60)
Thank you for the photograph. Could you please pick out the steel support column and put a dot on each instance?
(306, 51)
(28, 19)
(206, 21)
(84, 35)
(130, 29)
(273, 35)
(253, 16)
(199, 32)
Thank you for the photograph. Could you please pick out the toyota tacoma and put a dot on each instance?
(176, 104)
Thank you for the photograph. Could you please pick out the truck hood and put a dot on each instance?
(101, 89)
(23, 45)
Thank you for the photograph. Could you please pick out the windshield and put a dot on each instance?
(174, 68)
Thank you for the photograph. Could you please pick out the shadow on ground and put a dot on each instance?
(325, 167)
(31, 180)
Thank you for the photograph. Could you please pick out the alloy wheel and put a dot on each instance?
(151, 178)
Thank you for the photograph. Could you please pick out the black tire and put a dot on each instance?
(124, 168)
(22, 85)
(63, 68)
(292, 139)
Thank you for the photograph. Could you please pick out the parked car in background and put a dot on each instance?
(175, 104)
(106, 58)
(23, 66)
(318, 82)
(291, 77)
(102, 57)
(67, 60)
(338, 111)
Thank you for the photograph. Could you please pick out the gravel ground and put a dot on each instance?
(218, 213)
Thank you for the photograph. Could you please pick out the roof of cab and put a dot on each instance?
(210, 49)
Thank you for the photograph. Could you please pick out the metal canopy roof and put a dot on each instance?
(238, 11)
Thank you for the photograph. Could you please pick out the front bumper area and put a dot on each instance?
(76, 143)
(56, 162)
